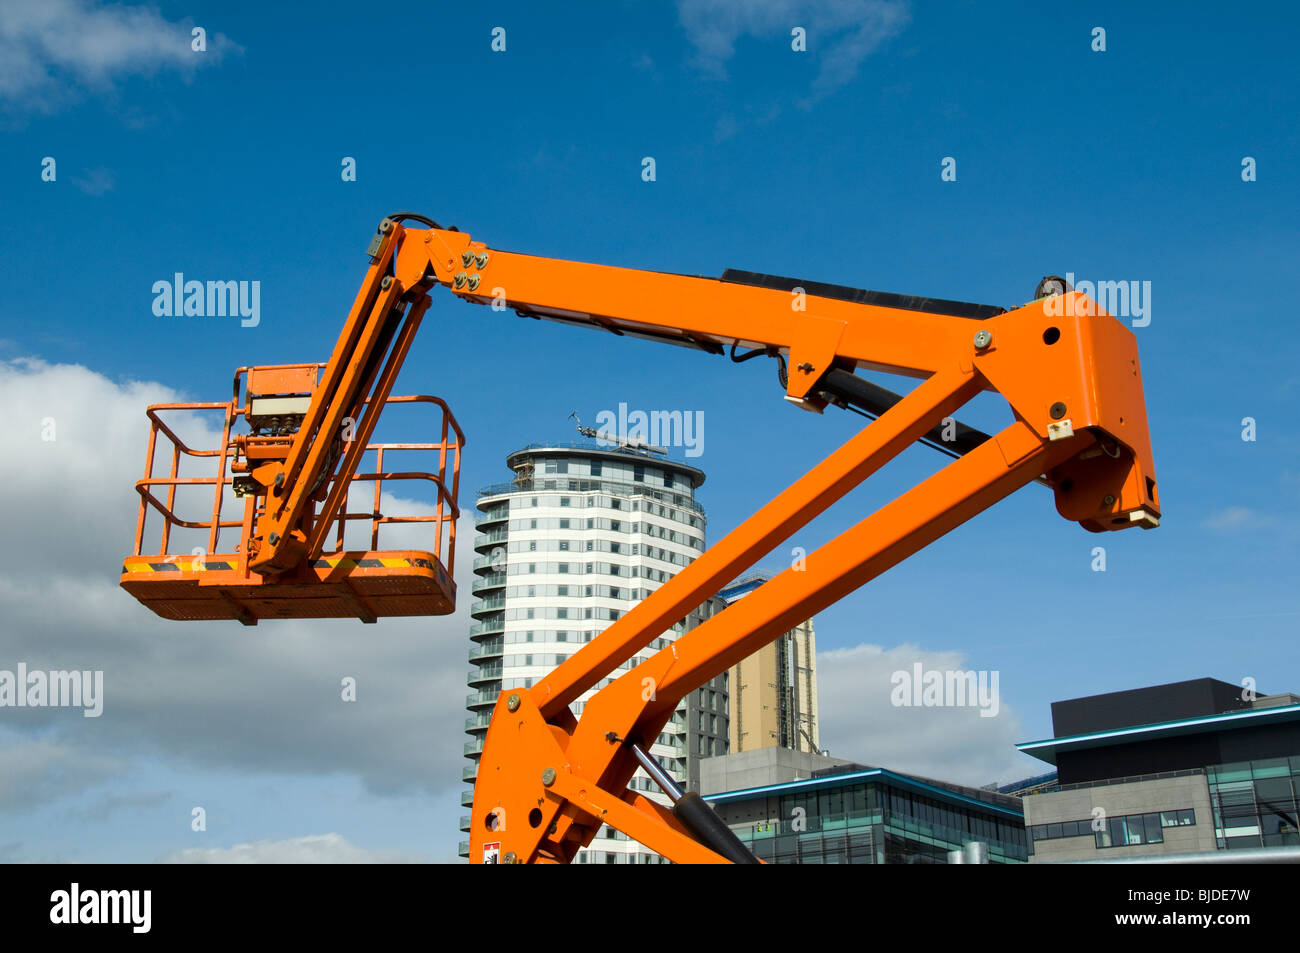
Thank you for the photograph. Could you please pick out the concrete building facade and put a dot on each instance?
(774, 691)
(1183, 768)
(580, 536)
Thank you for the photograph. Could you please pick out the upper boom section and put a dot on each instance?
(1063, 365)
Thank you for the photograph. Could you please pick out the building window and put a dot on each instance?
(595, 467)
(638, 473)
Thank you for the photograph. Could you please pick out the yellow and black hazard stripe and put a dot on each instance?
(133, 567)
(347, 562)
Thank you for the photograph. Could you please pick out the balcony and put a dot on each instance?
(482, 699)
(464, 822)
(474, 747)
(490, 604)
(467, 798)
(493, 580)
(486, 649)
(463, 848)
(470, 773)
(490, 562)
(478, 722)
(493, 515)
(484, 673)
(560, 483)
(493, 537)
(487, 627)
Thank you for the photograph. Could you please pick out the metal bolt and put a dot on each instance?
(548, 777)
(481, 259)
(385, 226)
(1109, 499)
(806, 368)
(274, 538)
(473, 282)
(982, 340)
(1057, 410)
(512, 857)
(512, 703)
(459, 279)
(388, 280)
(466, 257)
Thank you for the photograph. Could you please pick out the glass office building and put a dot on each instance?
(861, 815)
(1185, 768)
(1255, 802)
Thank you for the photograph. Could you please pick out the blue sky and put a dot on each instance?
(1117, 165)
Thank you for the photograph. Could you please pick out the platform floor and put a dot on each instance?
(358, 585)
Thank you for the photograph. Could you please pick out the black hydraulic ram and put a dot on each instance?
(843, 387)
(695, 814)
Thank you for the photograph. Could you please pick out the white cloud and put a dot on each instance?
(212, 694)
(840, 33)
(1235, 518)
(48, 47)
(316, 849)
(95, 181)
(41, 770)
(860, 723)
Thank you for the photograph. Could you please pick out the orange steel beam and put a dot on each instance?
(281, 544)
(1069, 372)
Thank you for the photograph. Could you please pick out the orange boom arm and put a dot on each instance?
(1069, 374)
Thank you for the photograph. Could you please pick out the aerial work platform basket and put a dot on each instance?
(195, 563)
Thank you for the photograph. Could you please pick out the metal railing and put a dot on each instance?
(444, 517)
(1131, 779)
(561, 484)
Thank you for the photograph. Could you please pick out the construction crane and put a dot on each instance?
(547, 781)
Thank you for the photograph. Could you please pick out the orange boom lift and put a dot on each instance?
(547, 781)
